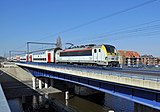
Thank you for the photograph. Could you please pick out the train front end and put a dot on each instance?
(111, 55)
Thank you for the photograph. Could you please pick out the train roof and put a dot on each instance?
(87, 46)
(43, 50)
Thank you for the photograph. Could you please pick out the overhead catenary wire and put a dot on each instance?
(128, 28)
(147, 35)
(135, 30)
(99, 19)
(128, 32)
(125, 36)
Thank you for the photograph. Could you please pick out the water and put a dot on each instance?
(118, 104)
(75, 103)
(30, 104)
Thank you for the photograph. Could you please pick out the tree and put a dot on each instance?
(59, 43)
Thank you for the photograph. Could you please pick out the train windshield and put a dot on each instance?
(110, 49)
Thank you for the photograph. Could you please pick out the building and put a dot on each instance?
(149, 60)
(158, 61)
(129, 58)
(2, 59)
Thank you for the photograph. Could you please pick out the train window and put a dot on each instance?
(95, 50)
(99, 50)
(77, 53)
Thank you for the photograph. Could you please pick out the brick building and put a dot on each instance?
(2, 59)
(129, 58)
(149, 60)
(158, 61)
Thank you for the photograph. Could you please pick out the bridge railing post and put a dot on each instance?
(66, 95)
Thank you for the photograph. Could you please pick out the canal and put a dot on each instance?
(56, 103)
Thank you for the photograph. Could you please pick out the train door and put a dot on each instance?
(30, 58)
(49, 57)
(95, 55)
(27, 58)
(99, 55)
(18, 58)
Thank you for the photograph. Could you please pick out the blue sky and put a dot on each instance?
(40, 20)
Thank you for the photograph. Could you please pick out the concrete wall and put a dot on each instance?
(18, 72)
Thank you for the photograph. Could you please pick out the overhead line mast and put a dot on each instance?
(28, 43)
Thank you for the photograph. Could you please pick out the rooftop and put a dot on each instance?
(129, 54)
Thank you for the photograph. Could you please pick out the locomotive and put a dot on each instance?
(91, 54)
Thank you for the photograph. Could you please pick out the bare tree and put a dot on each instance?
(59, 43)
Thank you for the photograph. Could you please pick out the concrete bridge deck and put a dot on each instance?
(130, 79)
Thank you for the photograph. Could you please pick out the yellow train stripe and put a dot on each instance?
(104, 49)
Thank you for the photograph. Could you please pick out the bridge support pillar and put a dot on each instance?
(46, 82)
(52, 82)
(34, 82)
(66, 95)
(40, 83)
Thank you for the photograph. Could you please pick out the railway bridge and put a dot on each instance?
(139, 86)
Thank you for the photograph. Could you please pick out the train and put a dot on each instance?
(92, 54)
